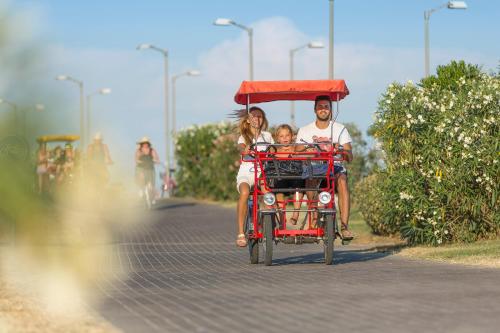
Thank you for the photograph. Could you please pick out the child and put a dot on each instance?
(284, 135)
(252, 125)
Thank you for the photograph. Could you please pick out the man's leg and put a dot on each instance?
(344, 203)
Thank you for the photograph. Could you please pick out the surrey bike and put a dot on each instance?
(266, 222)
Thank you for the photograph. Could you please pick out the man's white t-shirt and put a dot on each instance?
(312, 134)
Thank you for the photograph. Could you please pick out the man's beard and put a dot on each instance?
(325, 118)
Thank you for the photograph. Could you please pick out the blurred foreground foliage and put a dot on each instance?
(441, 144)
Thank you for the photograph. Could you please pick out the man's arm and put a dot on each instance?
(156, 159)
(348, 149)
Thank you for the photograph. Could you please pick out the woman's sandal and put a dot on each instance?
(241, 241)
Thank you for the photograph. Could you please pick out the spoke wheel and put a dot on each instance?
(268, 239)
(253, 244)
(328, 239)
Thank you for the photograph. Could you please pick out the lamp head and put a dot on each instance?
(316, 45)
(223, 21)
(61, 77)
(457, 5)
(105, 91)
(194, 73)
(143, 46)
(39, 107)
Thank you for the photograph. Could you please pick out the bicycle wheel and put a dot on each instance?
(252, 243)
(147, 196)
(328, 239)
(268, 239)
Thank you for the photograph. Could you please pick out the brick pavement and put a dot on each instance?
(186, 275)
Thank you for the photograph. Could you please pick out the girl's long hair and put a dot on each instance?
(244, 124)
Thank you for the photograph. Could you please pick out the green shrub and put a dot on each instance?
(441, 145)
(208, 161)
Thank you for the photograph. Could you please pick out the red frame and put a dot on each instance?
(307, 90)
(259, 157)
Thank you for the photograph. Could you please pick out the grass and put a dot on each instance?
(481, 253)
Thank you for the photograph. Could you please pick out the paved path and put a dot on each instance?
(186, 275)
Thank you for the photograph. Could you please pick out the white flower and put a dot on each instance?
(408, 116)
(405, 196)
(436, 232)
(446, 232)
(439, 241)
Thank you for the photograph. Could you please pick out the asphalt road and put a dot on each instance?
(186, 275)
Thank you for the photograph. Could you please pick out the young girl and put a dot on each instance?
(252, 125)
(284, 135)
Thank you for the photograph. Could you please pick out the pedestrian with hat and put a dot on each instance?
(145, 159)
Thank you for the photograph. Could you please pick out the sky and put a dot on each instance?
(376, 42)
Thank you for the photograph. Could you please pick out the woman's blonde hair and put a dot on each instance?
(244, 125)
(281, 127)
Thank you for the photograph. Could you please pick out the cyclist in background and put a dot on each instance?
(145, 159)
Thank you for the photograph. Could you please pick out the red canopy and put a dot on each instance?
(306, 90)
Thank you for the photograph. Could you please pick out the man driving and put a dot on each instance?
(320, 132)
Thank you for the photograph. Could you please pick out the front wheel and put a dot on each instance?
(253, 244)
(268, 239)
(328, 239)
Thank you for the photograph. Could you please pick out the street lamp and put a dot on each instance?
(174, 128)
(427, 15)
(14, 108)
(330, 46)
(103, 91)
(82, 111)
(165, 66)
(226, 22)
(311, 45)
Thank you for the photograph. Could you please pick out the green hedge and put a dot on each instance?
(441, 144)
(208, 161)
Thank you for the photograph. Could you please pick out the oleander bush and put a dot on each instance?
(441, 145)
(208, 161)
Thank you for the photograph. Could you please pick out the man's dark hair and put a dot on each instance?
(322, 98)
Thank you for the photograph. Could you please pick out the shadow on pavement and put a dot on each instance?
(171, 205)
(339, 258)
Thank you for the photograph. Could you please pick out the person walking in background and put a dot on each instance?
(145, 159)
(98, 157)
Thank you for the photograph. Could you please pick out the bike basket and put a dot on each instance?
(275, 168)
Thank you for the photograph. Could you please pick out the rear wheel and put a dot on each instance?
(268, 239)
(328, 239)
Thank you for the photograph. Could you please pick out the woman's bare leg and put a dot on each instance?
(242, 207)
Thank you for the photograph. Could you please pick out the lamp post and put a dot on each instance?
(82, 110)
(330, 44)
(174, 113)
(103, 91)
(427, 16)
(226, 22)
(14, 108)
(164, 52)
(311, 45)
